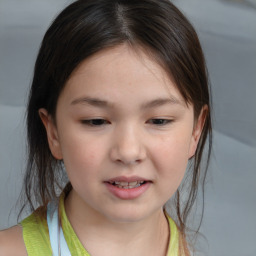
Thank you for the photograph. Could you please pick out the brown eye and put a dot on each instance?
(160, 121)
(95, 122)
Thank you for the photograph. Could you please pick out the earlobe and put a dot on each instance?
(198, 128)
(52, 134)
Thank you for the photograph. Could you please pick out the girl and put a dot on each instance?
(120, 103)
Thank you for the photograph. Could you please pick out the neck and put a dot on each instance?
(149, 236)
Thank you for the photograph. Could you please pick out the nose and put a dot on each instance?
(128, 147)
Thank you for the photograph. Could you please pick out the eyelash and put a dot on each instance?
(100, 122)
(161, 121)
(95, 122)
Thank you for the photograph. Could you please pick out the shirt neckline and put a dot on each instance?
(76, 247)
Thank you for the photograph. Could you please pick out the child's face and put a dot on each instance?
(119, 118)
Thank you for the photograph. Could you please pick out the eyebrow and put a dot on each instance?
(103, 103)
(91, 101)
(161, 101)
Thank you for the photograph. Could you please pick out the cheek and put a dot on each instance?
(171, 156)
(81, 156)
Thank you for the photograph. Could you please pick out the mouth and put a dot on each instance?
(126, 184)
(128, 188)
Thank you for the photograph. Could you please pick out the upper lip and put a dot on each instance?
(127, 179)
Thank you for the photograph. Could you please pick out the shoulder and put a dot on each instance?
(31, 237)
(11, 242)
(35, 234)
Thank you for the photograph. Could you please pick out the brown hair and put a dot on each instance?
(88, 26)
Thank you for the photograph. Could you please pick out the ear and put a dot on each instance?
(52, 133)
(198, 127)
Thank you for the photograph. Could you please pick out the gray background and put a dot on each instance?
(227, 30)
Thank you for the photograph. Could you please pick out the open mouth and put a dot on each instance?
(128, 188)
(127, 185)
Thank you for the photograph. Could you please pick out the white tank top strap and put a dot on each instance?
(57, 239)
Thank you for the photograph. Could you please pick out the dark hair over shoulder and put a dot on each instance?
(88, 26)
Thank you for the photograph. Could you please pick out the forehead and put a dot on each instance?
(121, 70)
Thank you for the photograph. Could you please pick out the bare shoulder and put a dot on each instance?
(11, 242)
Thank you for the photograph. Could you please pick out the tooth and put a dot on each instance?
(133, 183)
(124, 183)
(127, 185)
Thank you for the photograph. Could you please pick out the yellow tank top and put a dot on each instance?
(37, 242)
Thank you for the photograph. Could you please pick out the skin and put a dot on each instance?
(136, 125)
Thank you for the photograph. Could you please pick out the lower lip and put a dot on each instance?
(128, 194)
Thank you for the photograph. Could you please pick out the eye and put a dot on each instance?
(160, 121)
(95, 122)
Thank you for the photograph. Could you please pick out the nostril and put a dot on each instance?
(128, 162)
(128, 154)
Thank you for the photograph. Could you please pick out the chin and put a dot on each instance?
(126, 215)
